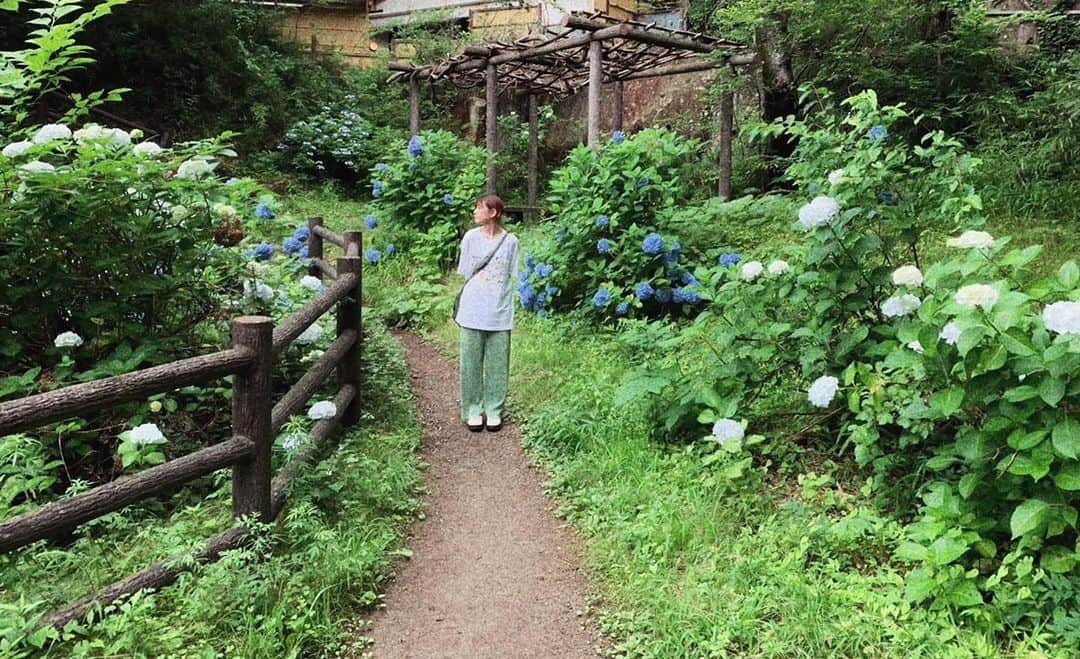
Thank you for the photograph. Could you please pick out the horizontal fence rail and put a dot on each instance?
(256, 344)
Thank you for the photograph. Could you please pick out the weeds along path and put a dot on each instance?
(493, 572)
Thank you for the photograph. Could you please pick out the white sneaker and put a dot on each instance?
(475, 423)
(494, 423)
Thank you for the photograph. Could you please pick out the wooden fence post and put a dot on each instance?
(348, 318)
(315, 247)
(351, 238)
(251, 405)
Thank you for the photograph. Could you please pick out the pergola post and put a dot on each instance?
(491, 124)
(414, 106)
(617, 114)
(727, 124)
(534, 156)
(596, 61)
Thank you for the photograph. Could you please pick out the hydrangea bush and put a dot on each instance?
(612, 255)
(956, 381)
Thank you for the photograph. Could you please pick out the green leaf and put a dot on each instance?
(945, 550)
(1066, 438)
(1028, 516)
(919, 585)
(912, 552)
(1069, 274)
(1021, 393)
(1069, 477)
(968, 484)
(964, 595)
(1052, 390)
(969, 338)
(947, 402)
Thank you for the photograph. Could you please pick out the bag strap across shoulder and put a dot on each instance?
(488, 258)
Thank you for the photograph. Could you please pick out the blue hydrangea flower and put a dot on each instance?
(448, 199)
(603, 245)
(672, 255)
(551, 290)
(264, 212)
(729, 259)
(381, 167)
(617, 137)
(376, 189)
(601, 298)
(689, 279)
(530, 262)
(390, 249)
(653, 243)
(263, 251)
(812, 188)
(545, 270)
(370, 222)
(622, 308)
(680, 295)
(416, 148)
(643, 291)
(291, 245)
(304, 252)
(663, 296)
(527, 297)
(603, 221)
(523, 277)
(372, 255)
(887, 198)
(302, 233)
(877, 134)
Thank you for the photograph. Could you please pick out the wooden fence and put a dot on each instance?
(256, 343)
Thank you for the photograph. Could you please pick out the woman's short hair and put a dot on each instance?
(493, 202)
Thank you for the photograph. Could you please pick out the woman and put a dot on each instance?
(489, 259)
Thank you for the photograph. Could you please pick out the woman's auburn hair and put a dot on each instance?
(493, 202)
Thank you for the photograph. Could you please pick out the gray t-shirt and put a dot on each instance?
(487, 301)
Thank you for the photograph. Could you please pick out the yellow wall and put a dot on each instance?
(345, 31)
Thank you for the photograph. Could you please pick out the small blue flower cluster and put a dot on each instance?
(381, 167)
(372, 255)
(261, 252)
(601, 298)
(370, 222)
(264, 212)
(672, 255)
(390, 250)
(294, 244)
(603, 221)
(878, 134)
(652, 244)
(603, 245)
(729, 259)
(416, 147)
(376, 189)
(448, 199)
(536, 294)
(617, 137)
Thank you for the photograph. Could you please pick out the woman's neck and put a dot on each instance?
(491, 230)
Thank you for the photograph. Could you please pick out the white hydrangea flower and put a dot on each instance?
(90, 132)
(223, 210)
(901, 305)
(977, 295)
(778, 267)
(751, 271)
(179, 212)
(324, 409)
(291, 442)
(972, 239)
(68, 340)
(50, 132)
(823, 390)
(950, 334)
(146, 149)
(16, 149)
(836, 176)
(119, 137)
(916, 346)
(258, 290)
(726, 430)
(907, 275)
(258, 268)
(147, 433)
(194, 169)
(311, 283)
(818, 212)
(37, 167)
(312, 334)
(1062, 317)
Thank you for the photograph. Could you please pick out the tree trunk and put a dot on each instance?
(779, 96)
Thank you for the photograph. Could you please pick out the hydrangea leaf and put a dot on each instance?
(1069, 274)
(1066, 438)
(1028, 516)
(1069, 477)
(1052, 390)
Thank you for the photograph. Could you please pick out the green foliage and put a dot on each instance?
(425, 193)
(612, 207)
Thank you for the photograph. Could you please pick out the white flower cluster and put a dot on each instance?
(258, 290)
(916, 346)
(751, 271)
(779, 267)
(223, 210)
(291, 442)
(147, 433)
(310, 335)
(37, 167)
(823, 390)
(1062, 317)
(68, 340)
(50, 132)
(950, 334)
(900, 305)
(96, 133)
(16, 149)
(324, 409)
(146, 149)
(972, 240)
(907, 275)
(726, 430)
(977, 295)
(836, 176)
(311, 283)
(819, 212)
(194, 168)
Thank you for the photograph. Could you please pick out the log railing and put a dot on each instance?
(256, 343)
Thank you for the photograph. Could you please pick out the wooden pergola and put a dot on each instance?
(590, 50)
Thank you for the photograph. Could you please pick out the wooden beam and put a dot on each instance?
(491, 123)
(596, 73)
(251, 403)
(534, 154)
(638, 34)
(414, 106)
(690, 67)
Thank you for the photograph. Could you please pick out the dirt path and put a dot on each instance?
(494, 573)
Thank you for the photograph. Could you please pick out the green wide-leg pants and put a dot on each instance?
(485, 372)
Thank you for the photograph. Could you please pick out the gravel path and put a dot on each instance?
(494, 573)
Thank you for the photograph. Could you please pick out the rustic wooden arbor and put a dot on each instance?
(588, 52)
